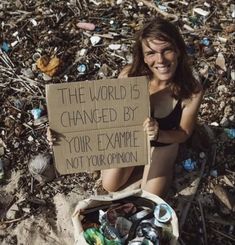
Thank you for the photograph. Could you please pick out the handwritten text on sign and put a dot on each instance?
(100, 123)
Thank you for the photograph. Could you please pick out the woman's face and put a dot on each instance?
(161, 57)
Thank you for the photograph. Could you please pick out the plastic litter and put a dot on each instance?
(205, 41)
(41, 168)
(48, 65)
(86, 26)
(189, 165)
(214, 173)
(140, 241)
(94, 236)
(5, 47)
(230, 132)
(36, 112)
(36, 56)
(163, 212)
(82, 68)
(149, 231)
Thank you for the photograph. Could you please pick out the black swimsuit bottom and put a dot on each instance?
(172, 121)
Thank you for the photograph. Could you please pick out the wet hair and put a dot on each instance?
(183, 84)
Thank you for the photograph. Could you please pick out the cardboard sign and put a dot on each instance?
(99, 123)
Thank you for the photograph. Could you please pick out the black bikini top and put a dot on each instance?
(172, 121)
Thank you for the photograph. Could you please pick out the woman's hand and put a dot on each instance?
(151, 127)
(50, 137)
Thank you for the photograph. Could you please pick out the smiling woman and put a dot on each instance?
(175, 97)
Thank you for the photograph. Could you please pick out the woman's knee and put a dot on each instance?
(113, 179)
(110, 185)
(158, 186)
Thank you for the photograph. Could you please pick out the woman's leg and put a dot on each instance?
(113, 179)
(157, 175)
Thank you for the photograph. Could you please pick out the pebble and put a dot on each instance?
(45, 77)
(12, 212)
(202, 155)
(114, 46)
(95, 40)
(224, 122)
(222, 88)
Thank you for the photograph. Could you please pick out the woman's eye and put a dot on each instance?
(168, 51)
(149, 53)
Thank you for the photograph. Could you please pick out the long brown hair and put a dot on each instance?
(184, 83)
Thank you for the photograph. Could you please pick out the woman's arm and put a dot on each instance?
(187, 123)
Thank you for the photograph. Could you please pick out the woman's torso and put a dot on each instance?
(166, 110)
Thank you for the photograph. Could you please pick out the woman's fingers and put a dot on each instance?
(50, 137)
(151, 128)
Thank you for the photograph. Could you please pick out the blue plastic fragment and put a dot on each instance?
(205, 41)
(189, 165)
(5, 47)
(81, 68)
(230, 132)
(36, 112)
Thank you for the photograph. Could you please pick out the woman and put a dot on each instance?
(175, 97)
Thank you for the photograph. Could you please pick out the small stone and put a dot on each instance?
(26, 210)
(222, 105)
(214, 124)
(227, 110)
(230, 28)
(224, 122)
(30, 138)
(46, 77)
(95, 40)
(232, 118)
(12, 212)
(233, 74)
(27, 72)
(114, 46)
(202, 155)
(220, 61)
(222, 88)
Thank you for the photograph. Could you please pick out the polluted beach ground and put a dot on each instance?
(54, 42)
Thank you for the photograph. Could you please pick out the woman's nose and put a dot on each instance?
(159, 57)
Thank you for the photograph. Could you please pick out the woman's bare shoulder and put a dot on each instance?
(124, 72)
(196, 99)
